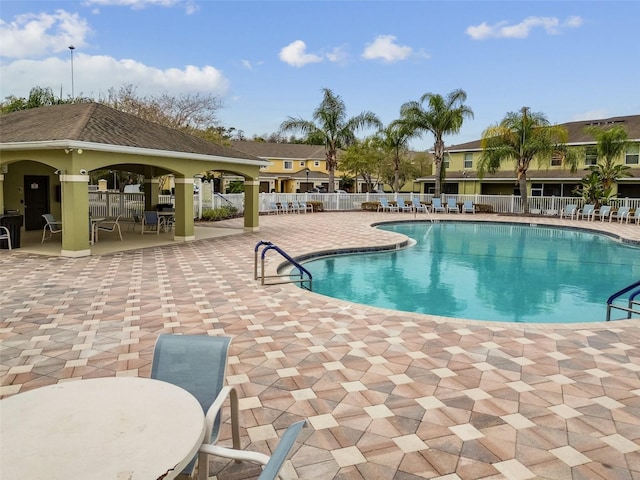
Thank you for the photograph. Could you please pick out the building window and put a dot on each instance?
(591, 156)
(445, 161)
(288, 165)
(556, 160)
(468, 160)
(316, 163)
(302, 163)
(536, 189)
(632, 156)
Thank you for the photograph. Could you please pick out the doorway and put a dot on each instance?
(36, 201)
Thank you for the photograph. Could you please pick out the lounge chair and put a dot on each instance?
(386, 206)
(603, 212)
(403, 206)
(294, 207)
(198, 363)
(306, 207)
(570, 210)
(52, 225)
(273, 208)
(586, 211)
(468, 207)
(621, 214)
(436, 206)
(418, 206)
(109, 226)
(635, 217)
(452, 206)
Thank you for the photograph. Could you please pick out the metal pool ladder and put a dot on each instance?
(298, 273)
(632, 302)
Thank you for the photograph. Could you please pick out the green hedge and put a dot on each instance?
(222, 213)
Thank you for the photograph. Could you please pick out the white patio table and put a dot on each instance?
(112, 428)
(168, 218)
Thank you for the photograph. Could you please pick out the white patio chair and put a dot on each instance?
(109, 226)
(153, 220)
(52, 225)
(198, 363)
(6, 235)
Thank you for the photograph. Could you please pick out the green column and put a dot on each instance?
(1, 193)
(75, 215)
(251, 205)
(151, 194)
(184, 210)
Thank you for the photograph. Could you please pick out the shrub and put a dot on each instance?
(222, 213)
(317, 206)
(370, 206)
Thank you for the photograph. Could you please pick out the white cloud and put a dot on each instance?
(337, 55)
(250, 66)
(295, 54)
(134, 4)
(551, 25)
(94, 75)
(190, 5)
(591, 115)
(385, 48)
(35, 35)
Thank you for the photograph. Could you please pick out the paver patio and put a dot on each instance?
(387, 395)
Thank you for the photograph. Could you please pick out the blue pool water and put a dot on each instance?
(500, 272)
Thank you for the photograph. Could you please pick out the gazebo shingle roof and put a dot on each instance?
(97, 123)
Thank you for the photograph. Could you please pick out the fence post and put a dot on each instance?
(199, 185)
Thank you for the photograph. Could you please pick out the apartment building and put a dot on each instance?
(554, 178)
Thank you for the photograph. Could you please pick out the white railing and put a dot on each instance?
(111, 204)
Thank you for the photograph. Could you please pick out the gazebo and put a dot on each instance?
(46, 155)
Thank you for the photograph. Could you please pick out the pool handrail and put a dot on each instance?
(631, 301)
(305, 283)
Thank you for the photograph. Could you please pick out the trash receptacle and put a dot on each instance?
(13, 224)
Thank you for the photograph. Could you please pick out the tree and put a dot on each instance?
(363, 158)
(592, 191)
(610, 145)
(395, 140)
(38, 97)
(331, 127)
(521, 137)
(443, 116)
(187, 112)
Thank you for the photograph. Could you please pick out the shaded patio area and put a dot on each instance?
(109, 242)
(387, 394)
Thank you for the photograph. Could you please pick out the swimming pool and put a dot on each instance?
(485, 271)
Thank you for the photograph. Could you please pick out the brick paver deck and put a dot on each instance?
(387, 395)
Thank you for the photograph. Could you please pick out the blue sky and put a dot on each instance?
(268, 60)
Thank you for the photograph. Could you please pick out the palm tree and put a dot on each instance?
(331, 127)
(395, 139)
(521, 137)
(611, 144)
(444, 116)
(592, 191)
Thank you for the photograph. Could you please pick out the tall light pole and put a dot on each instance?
(72, 48)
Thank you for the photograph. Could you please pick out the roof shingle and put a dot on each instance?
(97, 123)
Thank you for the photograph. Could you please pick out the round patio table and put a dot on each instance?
(116, 428)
